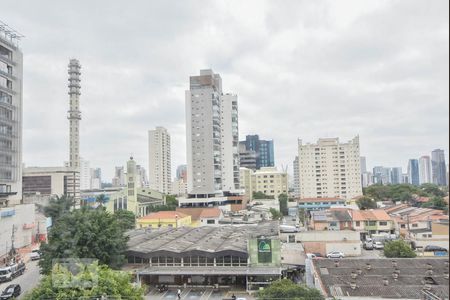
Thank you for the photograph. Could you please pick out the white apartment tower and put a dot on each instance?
(85, 174)
(159, 157)
(74, 114)
(211, 137)
(330, 169)
(11, 63)
(425, 169)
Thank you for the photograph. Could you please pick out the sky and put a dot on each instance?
(301, 69)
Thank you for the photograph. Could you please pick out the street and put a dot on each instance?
(28, 280)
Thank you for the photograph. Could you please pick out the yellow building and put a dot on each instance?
(270, 181)
(158, 219)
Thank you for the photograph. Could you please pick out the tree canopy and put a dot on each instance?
(399, 249)
(125, 219)
(276, 215)
(58, 206)
(261, 195)
(366, 203)
(288, 290)
(110, 283)
(283, 201)
(436, 202)
(404, 193)
(85, 233)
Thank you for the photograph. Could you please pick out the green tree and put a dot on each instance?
(101, 200)
(436, 202)
(171, 201)
(399, 249)
(261, 195)
(114, 284)
(366, 203)
(432, 190)
(276, 215)
(85, 233)
(125, 219)
(58, 206)
(283, 201)
(287, 290)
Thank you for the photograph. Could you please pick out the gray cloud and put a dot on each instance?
(303, 69)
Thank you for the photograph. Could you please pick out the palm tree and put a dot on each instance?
(101, 199)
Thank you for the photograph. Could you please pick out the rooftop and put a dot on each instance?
(212, 212)
(372, 215)
(205, 241)
(319, 199)
(164, 215)
(413, 274)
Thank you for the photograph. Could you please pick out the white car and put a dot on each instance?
(35, 255)
(378, 245)
(335, 254)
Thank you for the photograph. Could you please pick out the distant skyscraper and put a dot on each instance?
(119, 177)
(330, 168)
(142, 176)
(381, 175)
(211, 136)
(413, 172)
(247, 158)
(424, 170)
(182, 172)
(366, 179)
(396, 175)
(296, 177)
(264, 150)
(362, 162)
(96, 178)
(85, 174)
(438, 167)
(11, 66)
(160, 162)
(405, 178)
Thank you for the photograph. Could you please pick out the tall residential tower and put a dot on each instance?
(424, 169)
(211, 137)
(10, 116)
(159, 157)
(439, 169)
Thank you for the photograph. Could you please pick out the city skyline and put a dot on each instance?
(257, 69)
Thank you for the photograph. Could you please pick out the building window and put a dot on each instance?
(383, 223)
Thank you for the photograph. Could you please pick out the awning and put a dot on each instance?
(226, 271)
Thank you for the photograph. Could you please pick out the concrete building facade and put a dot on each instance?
(160, 162)
(396, 175)
(270, 181)
(263, 149)
(85, 174)
(11, 67)
(296, 177)
(330, 168)
(211, 133)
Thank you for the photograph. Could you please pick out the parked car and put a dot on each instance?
(35, 255)
(368, 245)
(432, 248)
(11, 291)
(335, 254)
(378, 245)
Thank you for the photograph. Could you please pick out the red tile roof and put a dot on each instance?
(212, 212)
(370, 215)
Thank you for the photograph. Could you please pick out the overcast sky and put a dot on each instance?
(301, 69)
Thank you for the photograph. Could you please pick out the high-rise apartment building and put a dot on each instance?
(438, 167)
(366, 179)
(74, 114)
(425, 169)
(142, 176)
(263, 149)
(413, 172)
(396, 175)
(330, 169)
(11, 63)
(296, 168)
(211, 137)
(159, 157)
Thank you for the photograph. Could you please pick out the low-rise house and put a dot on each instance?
(435, 235)
(373, 221)
(159, 219)
(210, 216)
(332, 219)
(319, 203)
